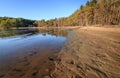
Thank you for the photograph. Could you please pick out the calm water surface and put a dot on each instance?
(15, 42)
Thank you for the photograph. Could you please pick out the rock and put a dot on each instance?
(51, 58)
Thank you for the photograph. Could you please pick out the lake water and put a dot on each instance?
(16, 42)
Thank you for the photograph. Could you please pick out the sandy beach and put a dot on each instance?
(90, 52)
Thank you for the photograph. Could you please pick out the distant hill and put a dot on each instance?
(8, 22)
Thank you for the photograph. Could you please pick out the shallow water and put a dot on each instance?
(18, 42)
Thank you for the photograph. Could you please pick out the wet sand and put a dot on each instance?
(90, 52)
(31, 65)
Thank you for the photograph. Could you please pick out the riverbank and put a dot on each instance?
(90, 52)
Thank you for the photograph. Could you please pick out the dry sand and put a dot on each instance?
(90, 52)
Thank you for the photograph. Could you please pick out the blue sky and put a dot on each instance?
(39, 9)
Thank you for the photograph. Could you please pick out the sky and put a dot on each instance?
(39, 9)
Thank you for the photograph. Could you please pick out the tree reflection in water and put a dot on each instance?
(32, 31)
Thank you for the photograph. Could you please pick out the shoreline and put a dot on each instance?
(90, 52)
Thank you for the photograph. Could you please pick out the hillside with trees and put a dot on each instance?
(103, 12)
(9, 22)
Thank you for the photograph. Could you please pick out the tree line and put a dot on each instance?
(94, 12)
(9, 22)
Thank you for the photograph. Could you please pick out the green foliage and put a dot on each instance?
(8, 22)
(94, 1)
(81, 7)
(88, 3)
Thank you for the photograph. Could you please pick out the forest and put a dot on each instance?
(94, 12)
(9, 22)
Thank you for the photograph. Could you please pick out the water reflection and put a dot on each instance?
(32, 39)
(32, 31)
(17, 44)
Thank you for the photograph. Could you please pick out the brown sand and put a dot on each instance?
(90, 52)
(31, 65)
